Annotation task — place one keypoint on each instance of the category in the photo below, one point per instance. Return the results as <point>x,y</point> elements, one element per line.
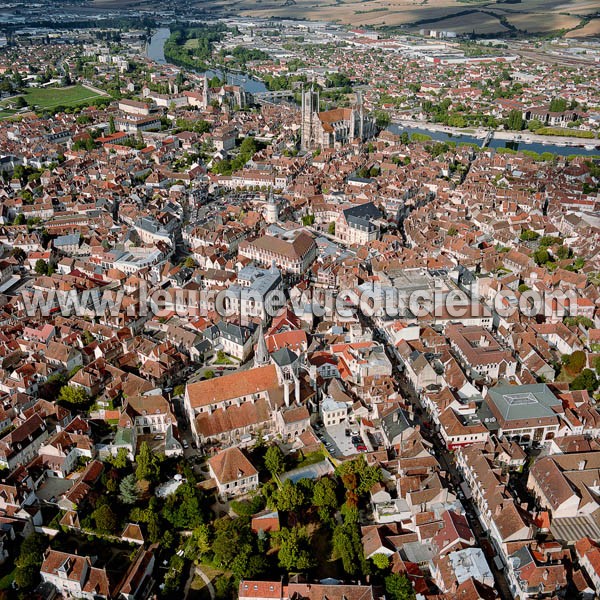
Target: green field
<point>564,132</point>
<point>70,96</point>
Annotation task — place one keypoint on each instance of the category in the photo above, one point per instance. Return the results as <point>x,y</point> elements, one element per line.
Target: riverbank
<point>521,137</point>
<point>513,140</point>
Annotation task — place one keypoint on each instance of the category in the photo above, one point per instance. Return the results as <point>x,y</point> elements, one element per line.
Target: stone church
<point>333,128</point>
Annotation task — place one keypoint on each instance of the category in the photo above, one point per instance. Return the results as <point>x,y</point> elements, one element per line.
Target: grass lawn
<point>68,96</point>
<point>5,113</point>
<point>311,459</point>
<point>565,132</point>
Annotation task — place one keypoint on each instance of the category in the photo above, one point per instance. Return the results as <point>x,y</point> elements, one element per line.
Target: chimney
<point>581,465</point>
<point>498,510</point>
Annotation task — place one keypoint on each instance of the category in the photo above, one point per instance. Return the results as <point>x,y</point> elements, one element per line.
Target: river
<point>155,51</point>
<point>442,136</point>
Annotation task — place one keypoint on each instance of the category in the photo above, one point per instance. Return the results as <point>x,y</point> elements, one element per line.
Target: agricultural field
<point>461,15</point>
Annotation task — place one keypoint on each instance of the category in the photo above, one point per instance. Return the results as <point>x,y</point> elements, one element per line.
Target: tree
<point>452,232</point>
<point>331,228</point>
<point>528,235</point>
<point>294,551</point>
<point>381,561</point>
<point>201,539</point>
<point>541,256</point>
<point>41,267</point>
<point>31,556</point>
<point>128,488</point>
<point>274,460</point>
<point>398,587</point>
<point>534,125</point>
<point>19,220</point>
<point>347,546</point>
<point>575,362</point>
<point>231,537</point>
<point>147,464</point>
<point>289,497</point>
<point>586,380</point>
<point>358,476</point>
<point>189,262</point>
<point>515,120</point>
<point>184,509</point>
<point>382,118</point>
<point>558,105</point>
<point>72,395</point>
<point>120,460</point>
<point>105,519</point>
<point>111,125</point>
<point>324,495</point>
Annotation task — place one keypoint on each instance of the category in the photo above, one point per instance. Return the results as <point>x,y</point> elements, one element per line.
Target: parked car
<point>185,444</point>
<point>361,448</point>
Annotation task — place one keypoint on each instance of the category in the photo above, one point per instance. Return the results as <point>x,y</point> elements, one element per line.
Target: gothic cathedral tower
<point>310,118</point>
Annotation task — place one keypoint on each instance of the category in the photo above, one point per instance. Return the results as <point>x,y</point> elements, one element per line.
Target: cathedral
<point>333,128</point>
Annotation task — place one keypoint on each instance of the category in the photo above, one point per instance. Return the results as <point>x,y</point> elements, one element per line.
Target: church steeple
<point>261,356</point>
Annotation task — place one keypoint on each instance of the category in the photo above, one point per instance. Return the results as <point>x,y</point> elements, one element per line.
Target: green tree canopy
<point>129,491</point>
<point>72,395</point>
<point>184,509</point>
<point>324,495</point>
<point>294,552</point>
<point>289,497</point>
<point>105,519</point>
<point>147,464</point>
<point>398,587</point>
<point>31,556</point>
<point>41,267</point>
<point>381,561</point>
<point>347,546</point>
<point>586,380</point>
<point>274,460</point>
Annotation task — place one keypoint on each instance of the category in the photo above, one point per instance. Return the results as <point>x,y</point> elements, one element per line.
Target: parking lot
<point>341,444</point>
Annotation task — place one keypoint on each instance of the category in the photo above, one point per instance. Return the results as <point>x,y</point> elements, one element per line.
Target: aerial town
<point>295,310</point>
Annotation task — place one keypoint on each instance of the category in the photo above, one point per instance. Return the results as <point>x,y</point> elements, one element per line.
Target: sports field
<point>69,96</point>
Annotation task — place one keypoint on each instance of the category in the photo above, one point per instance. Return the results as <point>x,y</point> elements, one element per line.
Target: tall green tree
<point>147,464</point>
<point>128,488</point>
<point>347,546</point>
<point>31,556</point>
<point>274,460</point>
